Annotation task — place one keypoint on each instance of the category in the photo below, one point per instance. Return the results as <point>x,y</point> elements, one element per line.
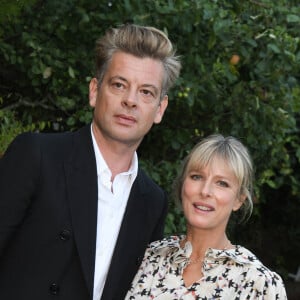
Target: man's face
<point>127,102</point>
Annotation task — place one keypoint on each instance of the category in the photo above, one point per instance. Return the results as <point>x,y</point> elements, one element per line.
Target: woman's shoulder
<point>254,265</point>
<point>160,249</point>
<point>244,264</point>
<point>167,242</point>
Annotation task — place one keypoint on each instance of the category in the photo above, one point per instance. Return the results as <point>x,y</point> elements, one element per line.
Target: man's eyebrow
<point>145,85</point>
<point>118,77</point>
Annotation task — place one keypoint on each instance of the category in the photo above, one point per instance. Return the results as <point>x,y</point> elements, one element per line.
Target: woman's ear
<point>239,202</point>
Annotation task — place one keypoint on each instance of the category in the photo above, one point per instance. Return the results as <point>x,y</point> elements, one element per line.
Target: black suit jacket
<point>48,217</point>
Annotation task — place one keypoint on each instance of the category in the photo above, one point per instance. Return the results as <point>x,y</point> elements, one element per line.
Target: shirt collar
<point>213,257</point>
<point>103,167</point>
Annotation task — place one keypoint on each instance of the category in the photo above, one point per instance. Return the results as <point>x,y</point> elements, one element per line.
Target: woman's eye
<point>223,183</point>
<point>196,176</point>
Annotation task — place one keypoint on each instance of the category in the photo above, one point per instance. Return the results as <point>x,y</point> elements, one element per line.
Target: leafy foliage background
<point>46,58</point>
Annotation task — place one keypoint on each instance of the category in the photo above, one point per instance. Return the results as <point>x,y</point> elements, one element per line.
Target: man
<point>76,212</point>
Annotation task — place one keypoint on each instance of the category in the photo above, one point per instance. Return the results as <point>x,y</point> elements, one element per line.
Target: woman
<point>216,180</point>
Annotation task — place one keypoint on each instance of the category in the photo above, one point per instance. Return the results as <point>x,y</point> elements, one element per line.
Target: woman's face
<point>209,195</point>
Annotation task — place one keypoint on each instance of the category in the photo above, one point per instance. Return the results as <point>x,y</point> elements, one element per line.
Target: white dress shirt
<point>112,200</point>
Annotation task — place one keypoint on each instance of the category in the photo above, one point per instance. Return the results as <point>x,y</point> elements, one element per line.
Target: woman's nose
<point>206,189</point>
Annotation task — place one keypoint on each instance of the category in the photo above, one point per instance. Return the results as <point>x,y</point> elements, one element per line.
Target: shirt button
<point>65,235</point>
<point>54,289</point>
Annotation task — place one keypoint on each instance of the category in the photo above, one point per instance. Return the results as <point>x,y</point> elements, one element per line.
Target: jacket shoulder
<point>146,180</point>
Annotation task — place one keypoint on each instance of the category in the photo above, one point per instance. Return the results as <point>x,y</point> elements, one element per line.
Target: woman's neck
<point>201,242</point>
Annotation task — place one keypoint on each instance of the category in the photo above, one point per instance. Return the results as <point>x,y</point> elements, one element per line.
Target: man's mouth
<point>125,119</point>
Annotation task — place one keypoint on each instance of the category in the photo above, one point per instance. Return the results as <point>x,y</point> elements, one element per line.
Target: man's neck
<point>117,161</point>
<point>118,156</point>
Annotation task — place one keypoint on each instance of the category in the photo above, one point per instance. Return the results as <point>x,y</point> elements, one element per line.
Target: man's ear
<point>93,92</point>
<point>161,109</point>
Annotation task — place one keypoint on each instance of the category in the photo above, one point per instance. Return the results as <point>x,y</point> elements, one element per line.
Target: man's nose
<point>130,99</point>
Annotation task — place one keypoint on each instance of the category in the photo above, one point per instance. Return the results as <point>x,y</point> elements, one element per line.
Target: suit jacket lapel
<point>130,235</point>
<point>81,177</point>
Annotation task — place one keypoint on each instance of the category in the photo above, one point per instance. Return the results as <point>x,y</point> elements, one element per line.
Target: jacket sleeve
<point>19,175</point>
<point>158,232</point>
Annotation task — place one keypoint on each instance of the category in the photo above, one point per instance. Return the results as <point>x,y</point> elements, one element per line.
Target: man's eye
<point>118,85</point>
<point>147,93</point>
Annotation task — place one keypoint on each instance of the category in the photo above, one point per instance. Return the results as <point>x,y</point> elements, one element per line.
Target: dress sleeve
<point>267,285</point>
<point>274,288</point>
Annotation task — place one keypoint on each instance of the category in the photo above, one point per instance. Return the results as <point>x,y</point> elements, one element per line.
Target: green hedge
<point>240,77</point>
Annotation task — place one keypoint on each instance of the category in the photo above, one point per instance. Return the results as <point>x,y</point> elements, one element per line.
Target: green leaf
<point>274,48</point>
<point>71,72</point>
<point>293,18</point>
<point>47,72</point>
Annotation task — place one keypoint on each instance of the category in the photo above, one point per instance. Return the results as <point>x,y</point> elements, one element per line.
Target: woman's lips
<point>203,207</point>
